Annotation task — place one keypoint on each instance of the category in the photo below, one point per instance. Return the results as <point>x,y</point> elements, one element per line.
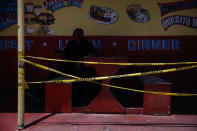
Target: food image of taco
<point>103,15</point>
<point>138,14</point>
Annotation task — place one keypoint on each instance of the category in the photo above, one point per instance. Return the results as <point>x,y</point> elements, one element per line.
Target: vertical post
<point>21,77</point>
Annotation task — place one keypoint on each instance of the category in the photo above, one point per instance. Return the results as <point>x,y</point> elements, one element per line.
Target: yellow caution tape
<point>23,86</point>
<point>119,76</point>
<point>143,91</point>
<point>105,63</point>
<point>47,68</point>
<point>20,86</point>
<point>21,79</point>
<point>26,85</point>
<point>129,89</point>
<point>150,92</point>
<point>21,72</point>
<point>20,54</point>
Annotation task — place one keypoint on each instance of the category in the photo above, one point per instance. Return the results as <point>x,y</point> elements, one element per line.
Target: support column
<point>21,78</point>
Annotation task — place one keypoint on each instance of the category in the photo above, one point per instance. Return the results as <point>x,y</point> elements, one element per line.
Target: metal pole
<point>21,76</point>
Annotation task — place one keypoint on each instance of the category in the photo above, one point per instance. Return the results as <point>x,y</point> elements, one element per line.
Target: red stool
<point>58,97</point>
<point>156,104</point>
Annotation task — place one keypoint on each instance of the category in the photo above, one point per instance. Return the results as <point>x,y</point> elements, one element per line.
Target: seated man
<point>76,50</point>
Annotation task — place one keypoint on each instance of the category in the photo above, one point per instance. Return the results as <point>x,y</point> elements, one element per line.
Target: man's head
<point>78,35</point>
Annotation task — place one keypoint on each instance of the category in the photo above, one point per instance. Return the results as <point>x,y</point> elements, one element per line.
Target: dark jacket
<point>76,51</point>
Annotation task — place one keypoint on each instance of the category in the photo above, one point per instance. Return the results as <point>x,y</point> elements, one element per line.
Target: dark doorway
<point>184,82</point>
<point>84,92</point>
<point>125,97</point>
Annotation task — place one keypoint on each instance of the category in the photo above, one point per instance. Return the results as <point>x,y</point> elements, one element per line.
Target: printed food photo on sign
<point>103,15</point>
<point>45,19</point>
<point>30,17</point>
<point>34,15</point>
<point>138,14</point>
